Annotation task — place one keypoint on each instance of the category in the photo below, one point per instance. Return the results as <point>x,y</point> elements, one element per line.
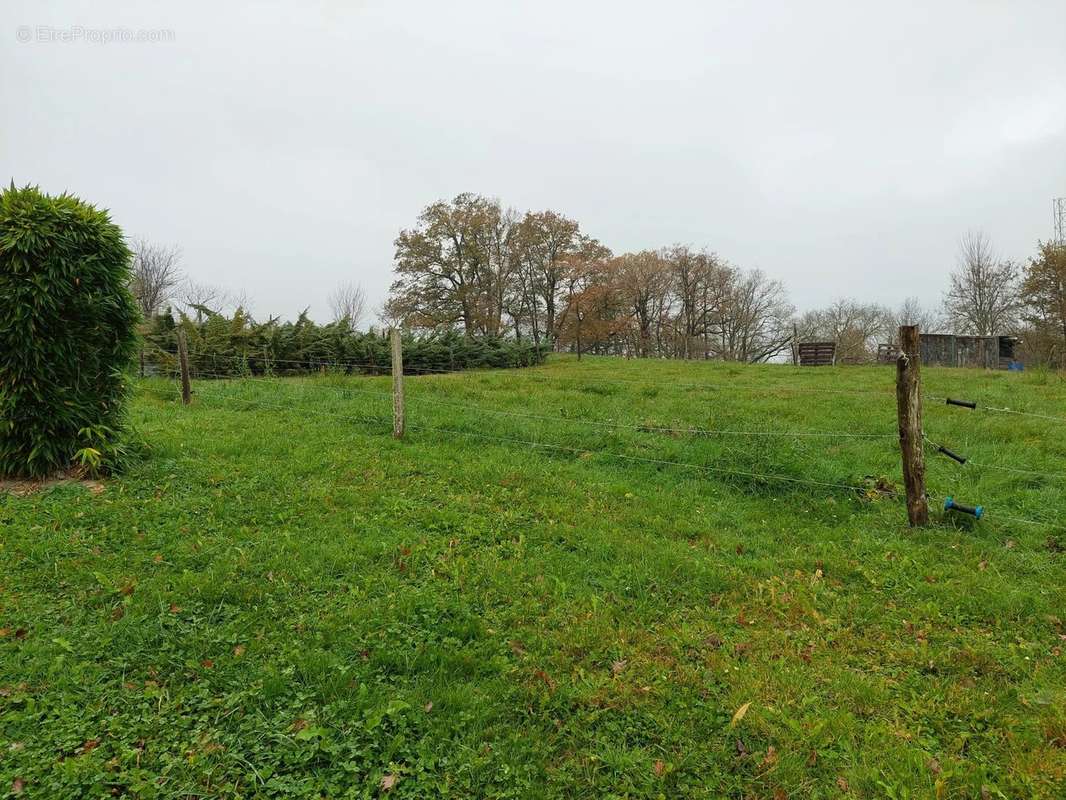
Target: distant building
<point>953,350</point>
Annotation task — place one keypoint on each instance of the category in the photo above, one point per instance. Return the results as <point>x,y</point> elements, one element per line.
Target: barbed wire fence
<point>235,370</point>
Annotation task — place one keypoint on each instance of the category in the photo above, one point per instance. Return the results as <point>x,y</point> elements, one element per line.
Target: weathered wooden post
<point>397,383</point>
<point>909,411</point>
<point>183,362</point>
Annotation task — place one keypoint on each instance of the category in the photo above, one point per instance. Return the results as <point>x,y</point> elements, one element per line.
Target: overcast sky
<point>842,147</point>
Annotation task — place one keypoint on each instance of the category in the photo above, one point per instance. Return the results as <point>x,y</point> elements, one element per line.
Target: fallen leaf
<point>175,608</point>
<point>127,589</point>
<point>17,786</point>
<point>659,767</point>
<point>118,613</point>
<point>983,565</point>
<point>544,676</point>
<point>207,663</point>
<point>618,666</point>
<point>771,756</point>
<point>20,633</point>
<point>934,766</point>
<point>299,725</point>
<point>387,782</point>
<point>843,785</point>
<point>428,707</point>
<point>238,651</point>
<point>739,715</point>
<point>742,751</point>
<point>90,745</point>
<point>5,632</point>
<point>780,794</point>
<point>812,758</point>
<point>986,793</point>
<point>158,558</point>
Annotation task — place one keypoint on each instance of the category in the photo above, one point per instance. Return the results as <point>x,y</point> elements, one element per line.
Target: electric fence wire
<point>614,425</point>
<point>592,423</point>
<point>531,371</point>
<point>590,374</point>
<point>564,448</point>
<point>998,468</point>
<point>868,491</point>
<point>999,410</point>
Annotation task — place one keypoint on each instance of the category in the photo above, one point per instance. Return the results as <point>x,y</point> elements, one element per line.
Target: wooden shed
<point>952,350</point>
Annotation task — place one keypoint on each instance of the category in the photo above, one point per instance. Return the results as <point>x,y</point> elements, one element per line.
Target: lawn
<point>280,600</point>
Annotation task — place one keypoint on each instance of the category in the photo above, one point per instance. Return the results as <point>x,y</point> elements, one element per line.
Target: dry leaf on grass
<point>739,715</point>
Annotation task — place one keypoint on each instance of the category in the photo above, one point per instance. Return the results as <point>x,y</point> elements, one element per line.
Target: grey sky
<point>842,147</point>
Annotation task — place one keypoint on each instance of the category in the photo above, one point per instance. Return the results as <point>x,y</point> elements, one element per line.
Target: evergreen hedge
<point>67,331</point>
<point>221,346</point>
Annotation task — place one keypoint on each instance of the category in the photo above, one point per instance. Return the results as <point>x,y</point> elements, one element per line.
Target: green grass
<point>283,601</point>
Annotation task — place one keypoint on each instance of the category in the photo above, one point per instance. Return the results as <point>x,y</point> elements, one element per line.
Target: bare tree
<point>856,328</point>
<point>201,298</point>
<point>912,312</point>
<point>348,304</point>
<point>156,274</point>
<point>984,296</point>
<point>756,324</point>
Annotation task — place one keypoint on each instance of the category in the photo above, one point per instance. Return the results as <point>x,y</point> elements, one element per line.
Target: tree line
<point>474,265</point>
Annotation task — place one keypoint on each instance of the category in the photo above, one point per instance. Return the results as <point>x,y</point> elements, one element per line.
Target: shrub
<point>221,346</point>
<point>67,331</point>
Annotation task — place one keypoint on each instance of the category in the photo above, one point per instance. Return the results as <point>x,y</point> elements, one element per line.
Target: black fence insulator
<point>963,403</point>
<point>951,454</point>
<point>951,505</point>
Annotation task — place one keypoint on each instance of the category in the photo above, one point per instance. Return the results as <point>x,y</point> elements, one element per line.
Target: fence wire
<point>541,375</point>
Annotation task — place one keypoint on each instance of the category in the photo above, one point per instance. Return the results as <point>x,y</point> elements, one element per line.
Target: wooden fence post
<point>183,362</point>
<point>397,384</point>
<point>909,411</point>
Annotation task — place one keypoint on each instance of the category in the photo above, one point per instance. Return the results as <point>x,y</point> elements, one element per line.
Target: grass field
<point>283,601</point>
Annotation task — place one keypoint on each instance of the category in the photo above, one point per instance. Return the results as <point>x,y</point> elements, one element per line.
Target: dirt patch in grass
<point>20,487</point>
